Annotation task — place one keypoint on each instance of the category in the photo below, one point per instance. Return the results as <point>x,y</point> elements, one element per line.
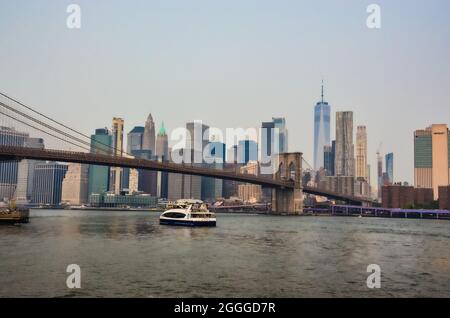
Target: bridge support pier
<point>288,201</point>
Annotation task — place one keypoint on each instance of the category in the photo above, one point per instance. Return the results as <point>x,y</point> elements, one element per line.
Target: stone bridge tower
<point>288,200</point>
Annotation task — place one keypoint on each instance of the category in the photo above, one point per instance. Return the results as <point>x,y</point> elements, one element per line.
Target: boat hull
<point>14,217</point>
<point>187,223</point>
<point>13,221</point>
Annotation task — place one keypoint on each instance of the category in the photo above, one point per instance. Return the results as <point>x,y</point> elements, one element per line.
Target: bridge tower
<point>288,200</point>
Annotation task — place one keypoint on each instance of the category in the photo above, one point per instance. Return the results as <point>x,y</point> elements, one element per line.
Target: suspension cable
<point>114,149</point>
<point>46,132</point>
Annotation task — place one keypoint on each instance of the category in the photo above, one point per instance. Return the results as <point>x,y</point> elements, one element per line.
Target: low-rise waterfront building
<point>401,196</point>
<point>444,197</point>
<point>112,200</point>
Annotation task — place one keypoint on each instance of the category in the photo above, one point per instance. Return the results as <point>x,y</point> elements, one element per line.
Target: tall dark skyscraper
<point>135,139</point>
<point>47,184</point>
<point>274,137</point>
<point>135,145</point>
<point>328,160</point>
<point>267,139</point>
<point>99,176</point>
<point>9,169</point>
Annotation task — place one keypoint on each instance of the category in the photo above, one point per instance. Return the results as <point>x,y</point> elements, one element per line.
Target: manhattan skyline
<point>234,65</point>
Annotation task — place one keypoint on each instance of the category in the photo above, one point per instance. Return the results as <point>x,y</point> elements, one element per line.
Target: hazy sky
<point>234,64</point>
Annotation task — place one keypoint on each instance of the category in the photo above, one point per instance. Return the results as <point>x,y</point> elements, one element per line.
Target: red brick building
<point>444,197</point>
<point>398,196</point>
<point>423,196</point>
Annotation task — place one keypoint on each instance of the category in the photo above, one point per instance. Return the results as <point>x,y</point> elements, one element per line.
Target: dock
<point>349,210</point>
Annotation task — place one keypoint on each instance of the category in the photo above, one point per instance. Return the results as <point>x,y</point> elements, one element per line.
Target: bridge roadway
<point>19,153</point>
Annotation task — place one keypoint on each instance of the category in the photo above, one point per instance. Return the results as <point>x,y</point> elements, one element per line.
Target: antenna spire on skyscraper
<point>322,90</point>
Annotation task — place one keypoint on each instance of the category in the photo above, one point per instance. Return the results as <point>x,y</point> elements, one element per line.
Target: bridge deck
<point>19,153</point>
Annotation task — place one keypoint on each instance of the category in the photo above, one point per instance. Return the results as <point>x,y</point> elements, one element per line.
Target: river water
<point>128,254</point>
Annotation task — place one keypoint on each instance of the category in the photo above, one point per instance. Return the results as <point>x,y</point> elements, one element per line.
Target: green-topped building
<point>101,142</point>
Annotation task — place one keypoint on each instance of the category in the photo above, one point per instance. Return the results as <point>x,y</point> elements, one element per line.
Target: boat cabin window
<point>175,215</point>
<point>201,215</point>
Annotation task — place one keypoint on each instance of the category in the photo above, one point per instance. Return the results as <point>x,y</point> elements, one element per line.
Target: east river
<point>128,254</point>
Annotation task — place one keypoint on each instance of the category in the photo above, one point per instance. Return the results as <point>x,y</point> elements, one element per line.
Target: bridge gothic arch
<point>281,172</point>
<point>292,171</point>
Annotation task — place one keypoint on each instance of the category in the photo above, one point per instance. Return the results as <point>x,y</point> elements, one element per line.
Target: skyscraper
<point>247,151</point>
<point>230,187</point>
<point>194,186</point>
<point>333,157</point>
<point>101,143</point>
<point>432,157</point>
<point>162,143</point>
<point>274,138</point>
<point>135,139</point>
<point>9,169</point>
<point>117,143</point>
<point>344,161</point>
<point>148,140</point>
<point>188,186</point>
<point>321,131</point>
<point>215,158</point>
<point>379,173</point>
<point>135,147</point>
<point>25,177</point>
<point>389,159</point>
<point>162,153</point>
<point>361,153</point>
<point>75,184</point>
<point>134,144</point>
<point>267,140</point>
<point>328,160</point>
<point>47,183</point>
<point>147,179</point>
<point>280,124</point>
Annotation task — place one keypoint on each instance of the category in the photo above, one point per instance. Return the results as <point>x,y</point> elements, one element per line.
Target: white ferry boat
<point>188,213</point>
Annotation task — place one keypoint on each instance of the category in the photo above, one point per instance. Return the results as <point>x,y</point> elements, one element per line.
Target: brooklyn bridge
<point>70,145</point>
